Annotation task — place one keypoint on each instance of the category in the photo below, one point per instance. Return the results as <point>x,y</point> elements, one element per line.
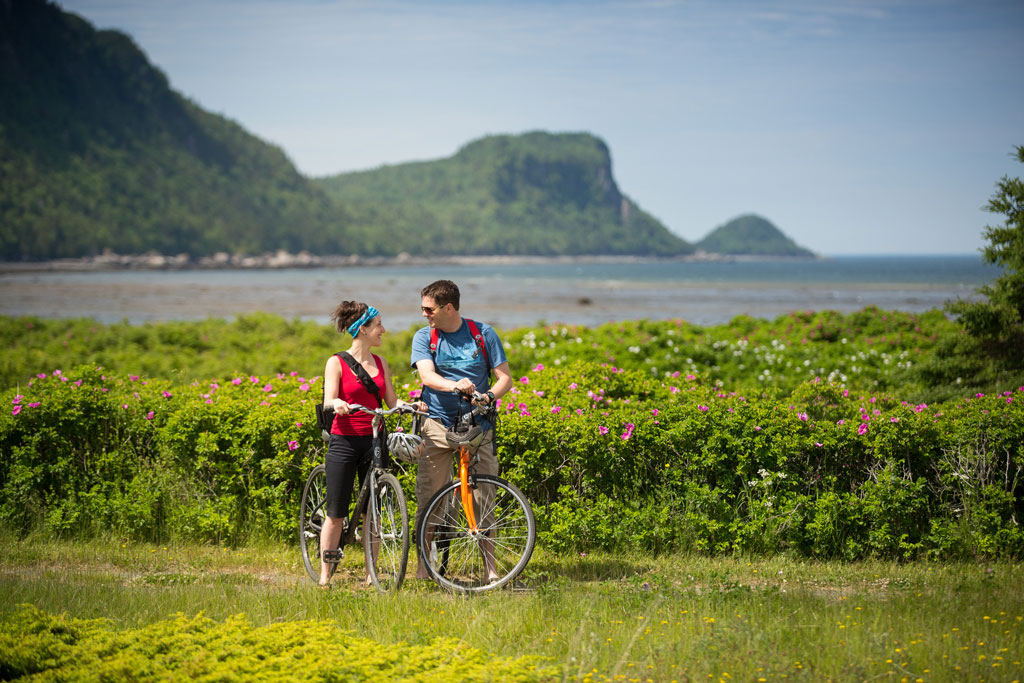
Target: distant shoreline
<point>282,259</point>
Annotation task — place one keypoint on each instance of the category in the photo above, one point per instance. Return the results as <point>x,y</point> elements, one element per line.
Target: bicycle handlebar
<point>404,408</point>
<point>478,409</point>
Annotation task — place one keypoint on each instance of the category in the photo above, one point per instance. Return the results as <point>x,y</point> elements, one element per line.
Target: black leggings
<point>346,455</point>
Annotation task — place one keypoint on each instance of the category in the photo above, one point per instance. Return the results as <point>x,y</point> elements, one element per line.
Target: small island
<point>751,236</point>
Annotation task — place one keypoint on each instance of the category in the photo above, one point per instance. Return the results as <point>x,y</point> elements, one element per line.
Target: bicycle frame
<point>377,467</point>
<point>466,472</point>
<point>464,491</point>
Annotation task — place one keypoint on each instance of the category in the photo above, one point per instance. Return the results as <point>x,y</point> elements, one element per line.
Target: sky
<point>855,126</point>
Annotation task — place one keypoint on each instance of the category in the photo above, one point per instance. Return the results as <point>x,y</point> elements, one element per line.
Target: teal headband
<point>370,314</point>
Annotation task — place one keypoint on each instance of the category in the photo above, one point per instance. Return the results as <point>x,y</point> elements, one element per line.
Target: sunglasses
<point>432,310</point>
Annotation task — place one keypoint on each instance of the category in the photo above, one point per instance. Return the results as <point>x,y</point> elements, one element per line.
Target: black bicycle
<point>380,519</point>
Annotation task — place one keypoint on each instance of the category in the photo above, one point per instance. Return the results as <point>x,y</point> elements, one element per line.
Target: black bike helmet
<point>461,434</point>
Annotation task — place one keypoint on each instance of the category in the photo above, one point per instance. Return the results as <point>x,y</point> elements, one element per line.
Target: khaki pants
<point>435,464</point>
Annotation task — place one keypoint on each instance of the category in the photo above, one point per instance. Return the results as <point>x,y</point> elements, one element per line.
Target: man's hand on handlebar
<point>464,386</point>
<point>485,400</point>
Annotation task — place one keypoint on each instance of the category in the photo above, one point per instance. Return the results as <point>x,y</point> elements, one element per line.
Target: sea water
<point>510,294</point>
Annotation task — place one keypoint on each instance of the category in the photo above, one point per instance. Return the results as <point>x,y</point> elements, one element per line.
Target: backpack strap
<point>477,337</point>
<point>359,371</point>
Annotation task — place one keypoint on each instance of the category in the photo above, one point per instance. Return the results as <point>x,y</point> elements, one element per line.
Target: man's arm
<point>502,380</point>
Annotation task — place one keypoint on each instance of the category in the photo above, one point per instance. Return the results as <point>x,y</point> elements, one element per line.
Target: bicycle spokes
<point>462,558</point>
<point>385,535</point>
<point>311,521</point>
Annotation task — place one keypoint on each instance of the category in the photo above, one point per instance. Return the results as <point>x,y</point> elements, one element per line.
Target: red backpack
<point>477,337</point>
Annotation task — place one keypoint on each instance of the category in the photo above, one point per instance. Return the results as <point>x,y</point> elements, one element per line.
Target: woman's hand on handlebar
<point>341,407</point>
<point>416,406</point>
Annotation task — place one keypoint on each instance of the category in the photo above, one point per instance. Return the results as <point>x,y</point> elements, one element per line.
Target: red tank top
<point>353,391</point>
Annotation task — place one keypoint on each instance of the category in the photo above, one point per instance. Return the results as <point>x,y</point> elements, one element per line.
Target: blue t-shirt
<point>457,356</point>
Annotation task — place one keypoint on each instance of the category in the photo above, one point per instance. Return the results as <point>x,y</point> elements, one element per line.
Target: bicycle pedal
<point>332,556</point>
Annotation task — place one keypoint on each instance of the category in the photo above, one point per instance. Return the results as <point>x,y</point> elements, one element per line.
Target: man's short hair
<point>442,292</point>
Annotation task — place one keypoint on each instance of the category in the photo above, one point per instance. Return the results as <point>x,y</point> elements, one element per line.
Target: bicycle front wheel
<point>311,520</point>
<point>462,560</point>
<point>386,534</point>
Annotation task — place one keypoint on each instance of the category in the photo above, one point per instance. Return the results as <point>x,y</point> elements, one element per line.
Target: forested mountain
<point>751,235</point>
<point>98,153</point>
<point>537,193</point>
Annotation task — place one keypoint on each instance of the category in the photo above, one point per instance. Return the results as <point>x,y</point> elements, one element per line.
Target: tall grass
<point>595,617</point>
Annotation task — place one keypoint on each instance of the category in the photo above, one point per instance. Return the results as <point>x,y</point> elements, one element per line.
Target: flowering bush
<point>720,440</point>
<point>90,452</point>
<point>824,471</point>
<point>870,350</point>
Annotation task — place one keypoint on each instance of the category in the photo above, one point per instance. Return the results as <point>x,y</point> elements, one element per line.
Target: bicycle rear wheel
<point>463,561</point>
<point>311,521</point>
<point>386,534</point>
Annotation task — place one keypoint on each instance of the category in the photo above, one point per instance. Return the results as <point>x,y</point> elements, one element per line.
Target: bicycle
<point>478,532</point>
<point>380,505</point>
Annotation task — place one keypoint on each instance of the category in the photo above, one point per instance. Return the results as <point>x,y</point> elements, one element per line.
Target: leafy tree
<point>989,354</point>
<point>998,323</point>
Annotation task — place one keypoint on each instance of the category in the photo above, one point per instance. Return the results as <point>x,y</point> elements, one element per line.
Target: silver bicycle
<point>380,519</point>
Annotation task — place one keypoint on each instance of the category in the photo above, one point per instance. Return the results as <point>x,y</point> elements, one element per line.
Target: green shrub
<point>47,647</point>
<point>614,455</point>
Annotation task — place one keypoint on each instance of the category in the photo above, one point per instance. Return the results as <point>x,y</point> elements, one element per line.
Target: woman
<point>351,444</point>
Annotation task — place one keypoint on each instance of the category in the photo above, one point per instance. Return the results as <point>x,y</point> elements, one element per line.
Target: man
<point>459,364</point>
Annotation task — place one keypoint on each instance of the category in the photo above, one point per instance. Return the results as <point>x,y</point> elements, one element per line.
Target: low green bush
<point>45,647</point>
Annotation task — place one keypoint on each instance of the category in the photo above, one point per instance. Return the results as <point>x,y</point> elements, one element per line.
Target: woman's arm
<point>332,383</point>
<point>390,397</point>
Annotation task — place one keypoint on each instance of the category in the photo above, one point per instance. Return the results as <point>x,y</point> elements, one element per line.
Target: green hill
<point>98,153</point>
<point>751,235</point>
<point>537,193</point>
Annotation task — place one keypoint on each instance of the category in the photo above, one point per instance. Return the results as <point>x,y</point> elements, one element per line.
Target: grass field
<point>591,617</point>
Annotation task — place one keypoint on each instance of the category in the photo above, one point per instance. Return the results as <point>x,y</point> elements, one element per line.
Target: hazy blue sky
<point>870,126</point>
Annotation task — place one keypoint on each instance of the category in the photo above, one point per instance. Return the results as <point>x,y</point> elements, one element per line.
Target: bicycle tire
<point>311,520</point>
<point>386,523</point>
<point>454,557</point>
